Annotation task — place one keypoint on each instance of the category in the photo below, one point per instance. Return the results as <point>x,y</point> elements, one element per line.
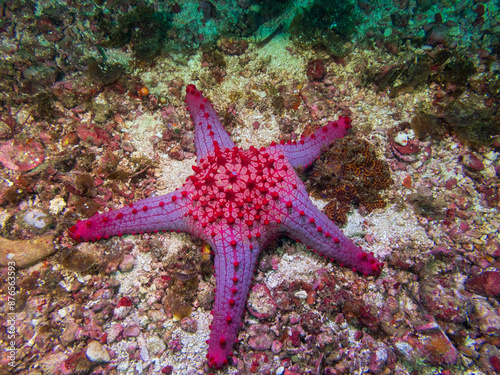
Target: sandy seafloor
<point>438,323</point>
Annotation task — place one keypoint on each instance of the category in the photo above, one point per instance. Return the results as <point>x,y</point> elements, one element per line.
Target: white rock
<point>97,353</point>
<point>401,139</point>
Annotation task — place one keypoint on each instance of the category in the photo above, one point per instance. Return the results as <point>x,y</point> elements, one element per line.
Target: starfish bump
<point>237,201</point>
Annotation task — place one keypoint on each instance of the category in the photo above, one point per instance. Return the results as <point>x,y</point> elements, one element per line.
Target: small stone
<point>175,345</point>
<point>189,325</point>
<point>76,360</point>
<point>120,312</point>
<point>155,345</point>
<point>261,303</point>
<point>92,133</point>
<point>261,337</point>
<point>472,161</point>
<point>488,321</point>
<point>132,331</point>
<point>127,263</point>
<point>435,348</point>
<point>487,284</point>
<point>167,370</point>
<point>70,334</point>
<point>177,153</point>
<point>97,353</point>
<point>401,139</point>
<point>451,184</point>
<point>113,332</point>
<point>276,346</point>
<point>49,364</point>
<point>378,359</point>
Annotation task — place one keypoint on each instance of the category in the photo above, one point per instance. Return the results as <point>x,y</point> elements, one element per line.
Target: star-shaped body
<point>237,201</point>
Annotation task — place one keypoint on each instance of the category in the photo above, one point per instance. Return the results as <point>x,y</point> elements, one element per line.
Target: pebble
<point>113,332</point>
<point>132,331</point>
<point>488,321</point>
<point>35,218</point>
<point>189,325</point>
<point>261,337</point>
<point>121,312</point>
<point>261,303</point>
<point>401,139</point>
<point>97,353</point>
<point>472,162</point>
<point>21,156</point>
<point>127,263</point>
<point>155,345</point>
<point>123,366</point>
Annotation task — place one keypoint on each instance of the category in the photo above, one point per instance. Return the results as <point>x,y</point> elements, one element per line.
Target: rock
<point>433,347</point>
<point>25,253</point>
<point>92,330</point>
<point>442,296</point>
<point>76,364</point>
<point>97,353</point>
<point>488,321</point>
<point>21,156</point>
<point>127,263</point>
<point>120,312</point>
<point>487,284</point>
<point>261,303</point>
<point>379,358</point>
<point>132,331</point>
<point>114,332</point>
<point>472,162</point>
<point>88,132</point>
<point>155,345</point>
<point>70,334</point>
<point>261,339</point>
<point>189,325</point>
<point>51,362</point>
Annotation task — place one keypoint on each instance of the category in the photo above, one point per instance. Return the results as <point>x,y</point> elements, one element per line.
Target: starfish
<point>237,201</point>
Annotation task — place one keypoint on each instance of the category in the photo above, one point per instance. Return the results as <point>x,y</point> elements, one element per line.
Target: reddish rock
<point>77,363</point>
<point>232,46</point>
<point>486,318</point>
<point>434,347</point>
<point>439,295</point>
<point>189,325</point>
<point>92,330</point>
<point>261,338</point>
<point>261,303</point>
<point>487,284</point>
<point>92,133</point>
<point>451,184</point>
<point>114,332</point>
<point>316,70</point>
<point>471,161</point>
<point>132,331</point>
<point>21,156</point>
<point>311,322</point>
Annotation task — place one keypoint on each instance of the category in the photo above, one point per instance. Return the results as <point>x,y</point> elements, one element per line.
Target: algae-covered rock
<point>25,253</point>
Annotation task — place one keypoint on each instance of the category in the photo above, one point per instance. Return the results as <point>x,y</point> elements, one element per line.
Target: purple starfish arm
<point>303,153</point>
<point>155,214</point>
<point>207,124</point>
<point>307,224</point>
<point>235,259</point>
